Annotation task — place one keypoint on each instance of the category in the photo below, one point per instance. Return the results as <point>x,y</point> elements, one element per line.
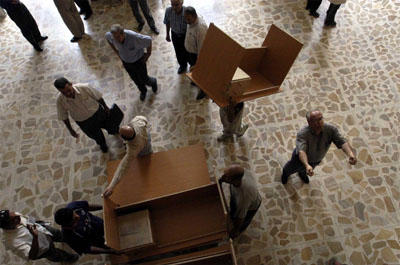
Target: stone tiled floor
<point>351,73</point>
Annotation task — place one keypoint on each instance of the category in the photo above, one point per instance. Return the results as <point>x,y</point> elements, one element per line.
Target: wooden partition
<point>185,208</point>
<point>265,67</point>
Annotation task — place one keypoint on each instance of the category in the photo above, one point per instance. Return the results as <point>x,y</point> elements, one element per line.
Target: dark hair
<point>190,11</point>
<point>4,218</point>
<point>64,216</point>
<point>61,82</point>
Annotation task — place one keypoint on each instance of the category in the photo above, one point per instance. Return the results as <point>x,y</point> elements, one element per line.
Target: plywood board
<point>216,64</point>
<point>160,174</point>
<point>251,60</point>
<point>182,220</point>
<point>111,233</point>
<point>135,230</point>
<point>282,51</point>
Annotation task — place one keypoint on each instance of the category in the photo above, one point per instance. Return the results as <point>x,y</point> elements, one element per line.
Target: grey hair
<point>117,28</point>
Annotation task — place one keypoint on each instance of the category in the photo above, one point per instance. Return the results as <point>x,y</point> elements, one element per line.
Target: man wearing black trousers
<point>313,5</point>
<point>18,12</point>
<point>175,21</point>
<point>85,8</point>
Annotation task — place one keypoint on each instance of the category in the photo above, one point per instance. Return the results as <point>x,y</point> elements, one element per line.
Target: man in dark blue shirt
<point>83,231</point>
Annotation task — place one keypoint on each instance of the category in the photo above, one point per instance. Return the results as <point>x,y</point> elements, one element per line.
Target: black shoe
<point>43,38</point>
<point>155,30</point>
<point>284,178</point>
<point>314,14</point>
<point>143,95</point>
<point>182,69</point>
<point>140,27</point>
<point>304,177</point>
<point>37,47</point>
<point>72,258</point>
<point>201,95</point>
<point>330,24</point>
<point>81,12</point>
<point>193,83</point>
<point>104,148</point>
<point>75,39</point>
<point>307,7</point>
<point>154,87</point>
<point>88,15</point>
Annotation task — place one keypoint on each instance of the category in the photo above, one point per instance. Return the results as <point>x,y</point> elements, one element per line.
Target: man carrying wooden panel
<point>231,119</point>
<point>195,35</point>
<point>138,142</point>
<point>245,199</point>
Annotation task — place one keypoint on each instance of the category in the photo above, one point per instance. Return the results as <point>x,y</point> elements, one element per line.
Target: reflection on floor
<point>351,73</point>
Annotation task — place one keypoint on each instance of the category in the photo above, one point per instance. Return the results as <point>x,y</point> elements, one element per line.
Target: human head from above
<point>66,217</point>
<point>177,5</point>
<point>127,133</point>
<point>65,87</point>
<point>315,120</point>
<point>9,220</point>
<point>233,175</point>
<point>118,33</point>
<point>190,15</point>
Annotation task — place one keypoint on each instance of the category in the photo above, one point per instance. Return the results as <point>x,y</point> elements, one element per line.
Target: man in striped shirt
<point>175,21</point>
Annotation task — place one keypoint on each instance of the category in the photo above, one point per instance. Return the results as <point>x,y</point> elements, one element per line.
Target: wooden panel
<point>135,230</point>
<point>282,51</point>
<point>252,59</point>
<point>205,256</point>
<point>216,64</point>
<point>111,230</point>
<point>182,219</point>
<point>160,174</point>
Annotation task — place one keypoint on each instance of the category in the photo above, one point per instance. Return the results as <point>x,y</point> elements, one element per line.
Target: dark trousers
<point>331,13</point>
<point>138,72</point>
<point>84,6</point>
<point>145,9</point>
<point>55,254</point>
<point>178,40</point>
<point>26,23</point>
<point>313,5</point>
<point>294,165</point>
<point>249,215</point>
<point>92,126</point>
<point>192,58</point>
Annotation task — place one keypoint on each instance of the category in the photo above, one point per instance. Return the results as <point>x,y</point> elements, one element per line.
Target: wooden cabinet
<point>186,211</point>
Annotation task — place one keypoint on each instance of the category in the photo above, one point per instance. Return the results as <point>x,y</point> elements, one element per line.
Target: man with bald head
<point>312,144</point>
<point>245,199</point>
<point>138,142</point>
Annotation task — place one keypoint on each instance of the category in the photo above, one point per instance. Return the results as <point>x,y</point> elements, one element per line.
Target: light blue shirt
<point>177,22</point>
<point>132,49</point>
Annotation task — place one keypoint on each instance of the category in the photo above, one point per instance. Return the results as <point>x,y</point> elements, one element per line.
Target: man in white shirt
<point>195,35</point>
<point>86,106</point>
<point>30,240</point>
<point>138,143</point>
<point>245,199</point>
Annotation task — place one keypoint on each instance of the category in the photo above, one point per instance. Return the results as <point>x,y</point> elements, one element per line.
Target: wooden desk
<point>185,208</point>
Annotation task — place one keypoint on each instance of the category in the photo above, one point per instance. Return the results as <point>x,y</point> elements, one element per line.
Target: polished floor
<point>351,73</point>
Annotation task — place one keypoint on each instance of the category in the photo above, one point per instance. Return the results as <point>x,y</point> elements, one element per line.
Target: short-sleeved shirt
<point>316,146</point>
<point>80,108</point>
<point>246,197</point>
<point>195,35</point>
<point>88,232</point>
<point>132,49</point>
<point>177,22</point>
<point>19,240</point>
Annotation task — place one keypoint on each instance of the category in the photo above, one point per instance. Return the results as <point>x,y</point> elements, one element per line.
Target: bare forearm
<point>303,158</point>
<point>168,27</point>
<point>113,47</point>
<point>68,124</point>
<point>347,149</point>
<point>33,253</point>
